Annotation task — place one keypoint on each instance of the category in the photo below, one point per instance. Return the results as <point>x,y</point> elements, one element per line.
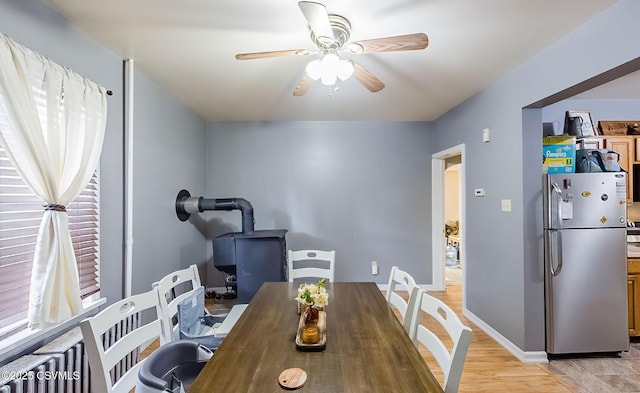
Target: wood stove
<point>253,257</point>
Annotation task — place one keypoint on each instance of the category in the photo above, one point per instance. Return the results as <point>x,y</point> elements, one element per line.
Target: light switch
<point>486,135</point>
<point>479,192</point>
<point>506,205</point>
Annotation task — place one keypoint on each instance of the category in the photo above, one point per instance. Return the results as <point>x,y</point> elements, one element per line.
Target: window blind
<point>20,215</point>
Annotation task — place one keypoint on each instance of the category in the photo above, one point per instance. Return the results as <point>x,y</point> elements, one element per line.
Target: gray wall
<point>169,155</point>
<point>504,275</point>
<point>360,188</point>
<point>493,242</point>
<point>169,152</point>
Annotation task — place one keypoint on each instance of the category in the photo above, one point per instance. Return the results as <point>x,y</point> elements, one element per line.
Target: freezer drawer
<point>586,302</point>
<point>585,200</point>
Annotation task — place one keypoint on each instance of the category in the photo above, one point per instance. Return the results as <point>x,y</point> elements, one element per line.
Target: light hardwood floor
<point>488,366</point>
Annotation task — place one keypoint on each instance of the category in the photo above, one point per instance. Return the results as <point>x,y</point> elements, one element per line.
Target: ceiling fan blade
<point>390,44</point>
<point>303,86</point>
<point>277,53</point>
<point>367,79</point>
<point>318,19</point>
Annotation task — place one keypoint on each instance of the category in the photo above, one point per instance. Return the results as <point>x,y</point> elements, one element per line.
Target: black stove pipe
<point>185,205</point>
<point>229,204</point>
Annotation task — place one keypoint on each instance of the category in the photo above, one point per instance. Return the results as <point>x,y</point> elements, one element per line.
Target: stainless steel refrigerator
<point>585,263</point>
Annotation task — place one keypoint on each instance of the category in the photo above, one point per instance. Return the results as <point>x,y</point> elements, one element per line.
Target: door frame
<point>437,217</point>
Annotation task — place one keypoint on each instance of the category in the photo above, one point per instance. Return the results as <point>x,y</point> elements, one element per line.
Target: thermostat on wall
<point>479,192</point>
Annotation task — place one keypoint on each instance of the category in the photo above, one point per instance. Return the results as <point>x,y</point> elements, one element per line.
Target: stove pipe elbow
<point>185,205</point>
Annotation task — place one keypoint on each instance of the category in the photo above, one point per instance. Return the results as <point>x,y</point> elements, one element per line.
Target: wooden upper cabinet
<point>625,146</point>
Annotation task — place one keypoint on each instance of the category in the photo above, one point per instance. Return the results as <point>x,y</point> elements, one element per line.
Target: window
<point>20,215</point>
<point>52,123</point>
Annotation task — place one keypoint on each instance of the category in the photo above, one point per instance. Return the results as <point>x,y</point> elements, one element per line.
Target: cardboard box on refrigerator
<point>559,154</point>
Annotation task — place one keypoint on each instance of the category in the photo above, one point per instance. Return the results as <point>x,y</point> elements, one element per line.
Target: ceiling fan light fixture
<point>329,69</point>
<point>345,69</point>
<point>331,33</point>
<point>314,69</point>
<point>330,66</point>
<point>329,79</point>
<point>330,63</point>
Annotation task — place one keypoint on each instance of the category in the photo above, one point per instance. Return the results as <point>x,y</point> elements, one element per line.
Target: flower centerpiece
<point>311,298</point>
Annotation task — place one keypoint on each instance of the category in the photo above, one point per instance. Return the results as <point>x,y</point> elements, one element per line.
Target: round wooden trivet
<point>292,378</point>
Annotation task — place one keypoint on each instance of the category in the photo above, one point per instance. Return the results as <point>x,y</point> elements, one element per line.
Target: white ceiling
<point>188,46</point>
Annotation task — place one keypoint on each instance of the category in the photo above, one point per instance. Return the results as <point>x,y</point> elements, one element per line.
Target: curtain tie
<point>54,207</point>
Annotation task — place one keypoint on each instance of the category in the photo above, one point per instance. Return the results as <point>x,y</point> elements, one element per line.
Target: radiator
<point>62,366</point>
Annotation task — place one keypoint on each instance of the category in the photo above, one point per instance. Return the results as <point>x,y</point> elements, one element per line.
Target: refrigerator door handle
<point>557,251</point>
<point>557,232</point>
<point>558,192</point>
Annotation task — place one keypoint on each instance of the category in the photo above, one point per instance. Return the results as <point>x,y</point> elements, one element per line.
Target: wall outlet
<point>374,268</point>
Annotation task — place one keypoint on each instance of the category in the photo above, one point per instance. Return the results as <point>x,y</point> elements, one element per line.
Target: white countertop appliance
<point>585,263</point>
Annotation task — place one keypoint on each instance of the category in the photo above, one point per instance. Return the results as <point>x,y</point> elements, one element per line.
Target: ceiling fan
<point>331,34</point>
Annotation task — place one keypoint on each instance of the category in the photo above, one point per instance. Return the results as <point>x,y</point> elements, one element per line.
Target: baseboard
<point>523,356</point>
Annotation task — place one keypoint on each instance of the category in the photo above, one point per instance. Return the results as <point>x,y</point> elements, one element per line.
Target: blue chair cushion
<point>195,323</point>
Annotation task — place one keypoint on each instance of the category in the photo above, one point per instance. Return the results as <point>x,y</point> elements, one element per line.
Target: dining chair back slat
<point>450,361</point>
<point>169,298</point>
<point>296,258</point>
<point>103,357</point>
<point>401,281</point>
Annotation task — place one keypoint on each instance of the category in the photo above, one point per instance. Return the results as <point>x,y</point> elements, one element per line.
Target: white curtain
<point>56,127</point>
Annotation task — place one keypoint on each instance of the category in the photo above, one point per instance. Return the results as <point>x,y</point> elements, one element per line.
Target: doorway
<point>452,261</point>
<point>448,217</point>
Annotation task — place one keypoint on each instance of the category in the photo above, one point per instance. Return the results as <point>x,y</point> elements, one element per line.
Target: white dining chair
<point>450,361</point>
<point>106,357</point>
<point>173,289</point>
<point>311,264</point>
<point>401,281</point>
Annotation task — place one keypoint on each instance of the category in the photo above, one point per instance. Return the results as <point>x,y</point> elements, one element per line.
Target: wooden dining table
<point>367,350</point>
